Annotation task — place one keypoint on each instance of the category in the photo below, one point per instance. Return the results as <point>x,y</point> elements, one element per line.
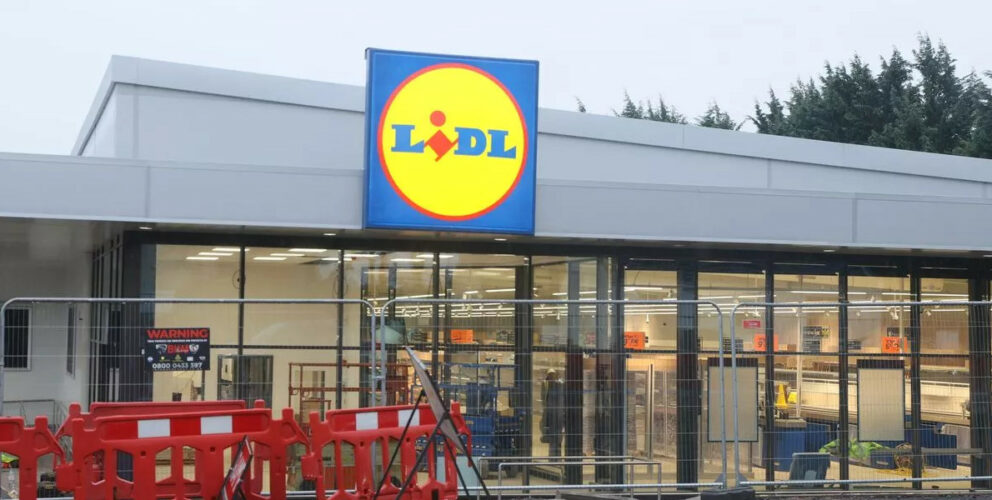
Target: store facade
<point>207,183</point>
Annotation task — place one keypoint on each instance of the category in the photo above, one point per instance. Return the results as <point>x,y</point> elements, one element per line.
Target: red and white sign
<point>752,324</point>
<point>235,476</point>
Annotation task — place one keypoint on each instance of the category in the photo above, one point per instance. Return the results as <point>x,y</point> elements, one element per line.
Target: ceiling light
<point>216,254</point>
<point>198,257</point>
<point>500,290</point>
<point>405,259</point>
<point>284,254</point>
<point>470,292</point>
<point>226,249</point>
<point>308,250</point>
<point>274,258</point>
<point>330,234</point>
<point>335,259</point>
<point>365,255</point>
<point>499,239</point>
<point>829,250</point>
<point>145,228</point>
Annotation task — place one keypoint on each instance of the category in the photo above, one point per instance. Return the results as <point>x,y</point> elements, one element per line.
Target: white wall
<point>47,379</point>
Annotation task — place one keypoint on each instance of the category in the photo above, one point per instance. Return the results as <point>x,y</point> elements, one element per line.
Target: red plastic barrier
<point>209,433</point>
<point>29,444</point>
<point>94,467</point>
<point>360,428</point>
<point>105,409</point>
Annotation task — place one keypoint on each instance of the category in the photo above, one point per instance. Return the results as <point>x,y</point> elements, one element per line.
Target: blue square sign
<point>450,143</point>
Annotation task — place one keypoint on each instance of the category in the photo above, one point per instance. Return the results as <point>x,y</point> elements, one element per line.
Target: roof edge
<point>281,89</point>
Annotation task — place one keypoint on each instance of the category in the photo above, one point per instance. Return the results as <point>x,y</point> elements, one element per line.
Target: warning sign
<point>177,349</point>
<point>635,341</point>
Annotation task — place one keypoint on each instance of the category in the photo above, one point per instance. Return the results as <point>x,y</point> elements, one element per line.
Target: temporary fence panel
<point>568,378</point>
<point>66,350</point>
<point>211,435</point>
<point>350,450</point>
<point>866,393</point>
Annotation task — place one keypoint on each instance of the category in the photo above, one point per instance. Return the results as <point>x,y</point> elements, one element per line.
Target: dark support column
<point>573,379</point>
<point>609,405</point>
<point>445,332</point>
<point>138,280</point>
<point>339,370</point>
<point>915,391</point>
<point>523,392</point>
<point>435,310</point>
<point>843,376</point>
<point>687,386</point>
<point>980,345</point>
<point>390,350</point>
<point>241,306</point>
<point>768,434</point>
<point>365,343</point>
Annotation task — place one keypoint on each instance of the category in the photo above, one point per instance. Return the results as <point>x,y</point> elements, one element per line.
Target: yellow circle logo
<point>452,141</point>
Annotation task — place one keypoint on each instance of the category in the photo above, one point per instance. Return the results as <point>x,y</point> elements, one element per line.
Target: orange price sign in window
<point>761,342</point>
<point>893,344</point>
<point>462,336</point>
<point>635,341</point>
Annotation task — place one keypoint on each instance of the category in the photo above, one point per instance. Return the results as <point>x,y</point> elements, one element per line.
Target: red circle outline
<point>382,159</point>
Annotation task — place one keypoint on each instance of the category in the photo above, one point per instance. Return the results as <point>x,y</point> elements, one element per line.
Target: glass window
<point>196,271</point>
<point>478,278</point>
<point>381,277</point>
<point>16,340</point>
<point>656,321</point>
<point>305,334</point>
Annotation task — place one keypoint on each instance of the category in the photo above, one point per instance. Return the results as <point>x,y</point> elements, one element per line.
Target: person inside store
<point>553,419</point>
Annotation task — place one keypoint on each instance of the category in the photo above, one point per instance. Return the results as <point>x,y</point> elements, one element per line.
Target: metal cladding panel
<point>923,223</point>
<point>807,176</point>
<point>575,159</point>
<point>66,187</point>
<point>186,126</point>
<point>256,196</point>
<point>680,213</point>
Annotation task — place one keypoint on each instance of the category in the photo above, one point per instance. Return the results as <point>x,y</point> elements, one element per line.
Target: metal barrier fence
<point>862,392</point>
<point>307,354</point>
<point>553,377</point>
<point>840,394</point>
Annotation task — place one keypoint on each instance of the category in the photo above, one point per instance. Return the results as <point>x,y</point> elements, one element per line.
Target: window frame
<point>28,348</point>
<point>71,343</point>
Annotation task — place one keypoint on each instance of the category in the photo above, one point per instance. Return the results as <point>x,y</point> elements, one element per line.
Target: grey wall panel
<point>256,197</point>
<point>175,125</point>
<point>924,223</point>
<point>73,189</point>
<point>104,138</point>
<point>692,214</point>
<point>810,177</point>
<point>573,159</point>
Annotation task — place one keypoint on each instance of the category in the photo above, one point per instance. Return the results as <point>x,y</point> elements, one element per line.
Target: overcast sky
<point>53,53</point>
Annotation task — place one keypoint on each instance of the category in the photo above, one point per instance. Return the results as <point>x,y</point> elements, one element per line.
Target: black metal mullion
<point>768,436</point>
<point>339,370</point>
<point>915,386</point>
<point>843,377</point>
<point>980,345</point>
<point>687,384</point>
<point>573,377</point>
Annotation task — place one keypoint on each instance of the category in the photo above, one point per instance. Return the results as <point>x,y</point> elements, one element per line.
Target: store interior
<point>314,357</point>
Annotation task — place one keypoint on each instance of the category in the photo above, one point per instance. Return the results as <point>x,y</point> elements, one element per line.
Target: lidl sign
<point>450,143</point>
